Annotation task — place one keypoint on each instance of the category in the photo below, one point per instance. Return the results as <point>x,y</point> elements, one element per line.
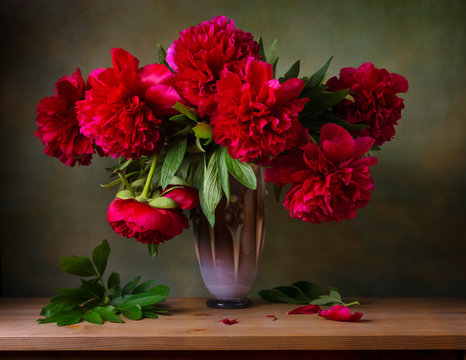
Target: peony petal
<point>274,318</point>
<point>257,73</point>
<point>340,313</point>
<point>186,197</point>
<point>335,133</point>
<point>229,322</point>
<point>156,74</point>
<point>362,145</point>
<point>161,99</point>
<point>306,309</point>
<point>123,60</point>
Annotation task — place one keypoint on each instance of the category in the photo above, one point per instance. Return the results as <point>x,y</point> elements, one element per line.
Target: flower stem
<point>145,191</point>
<point>352,303</point>
<point>124,180</point>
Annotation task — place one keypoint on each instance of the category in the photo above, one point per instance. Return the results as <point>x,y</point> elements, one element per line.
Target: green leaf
<point>223,172</point>
<point>294,293</point>
<point>95,288</point>
<point>325,300</point>
<point>212,189</point>
<point>113,280</point>
<point>108,313</point>
<point>162,55</point>
<point>203,130</point>
<point>55,307</point>
<point>180,119</point>
<point>312,291</point>
<point>335,294</point>
<point>272,54</point>
<point>241,171</point>
<point>190,113</point>
<point>100,256</point>
<point>261,49</point>
<point>173,160</point>
<point>162,202</point>
<point>132,312</point>
<point>78,265</point>
<point>275,295</point>
<point>153,250</point>
<point>145,286</point>
<point>150,297</point>
<point>293,72</point>
<point>129,287</point>
<point>93,317</point>
<point>198,182</point>
<point>68,318</point>
<point>150,314</point>
<point>317,78</point>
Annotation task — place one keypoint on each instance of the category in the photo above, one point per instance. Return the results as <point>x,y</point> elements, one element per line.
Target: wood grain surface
<point>387,324</point>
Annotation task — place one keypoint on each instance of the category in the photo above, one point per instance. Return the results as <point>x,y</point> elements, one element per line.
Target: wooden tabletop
<point>402,324</point>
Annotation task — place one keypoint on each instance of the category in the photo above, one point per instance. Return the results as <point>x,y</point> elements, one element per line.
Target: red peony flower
<point>185,197</point>
<point>122,111</point>
<point>146,224</point>
<point>329,182</point>
<point>258,117</point>
<point>57,126</point>
<point>340,313</point>
<point>375,101</point>
<point>203,52</point>
<point>306,309</point>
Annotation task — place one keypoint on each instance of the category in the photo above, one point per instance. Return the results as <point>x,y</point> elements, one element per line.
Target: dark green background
<point>409,241</point>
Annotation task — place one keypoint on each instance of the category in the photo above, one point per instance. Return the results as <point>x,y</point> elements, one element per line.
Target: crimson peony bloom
<point>123,110</point>
<point>203,52</point>
<point>258,117</point>
<point>134,219</point>
<point>328,182</point>
<point>375,101</point>
<point>306,309</point>
<point>57,125</point>
<point>340,313</point>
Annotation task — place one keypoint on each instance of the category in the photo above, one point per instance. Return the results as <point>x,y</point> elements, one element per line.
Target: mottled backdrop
<point>409,241</point>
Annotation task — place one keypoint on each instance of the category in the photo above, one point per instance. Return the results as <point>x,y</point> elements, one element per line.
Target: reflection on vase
<point>229,253</point>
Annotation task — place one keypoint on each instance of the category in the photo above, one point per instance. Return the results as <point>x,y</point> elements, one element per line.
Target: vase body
<point>229,253</point>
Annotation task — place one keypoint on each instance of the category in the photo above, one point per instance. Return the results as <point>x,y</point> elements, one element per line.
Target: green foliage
<point>173,160</point>
<point>304,292</point>
<point>293,72</point>
<point>241,171</point>
<point>94,302</point>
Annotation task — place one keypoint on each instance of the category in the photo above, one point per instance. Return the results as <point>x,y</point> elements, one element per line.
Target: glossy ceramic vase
<point>229,253</point>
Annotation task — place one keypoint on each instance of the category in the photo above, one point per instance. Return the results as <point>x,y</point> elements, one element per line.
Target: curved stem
<point>124,180</point>
<point>145,191</point>
<point>352,303</point>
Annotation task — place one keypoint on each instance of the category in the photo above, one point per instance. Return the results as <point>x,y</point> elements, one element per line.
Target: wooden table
<point>389,329</point>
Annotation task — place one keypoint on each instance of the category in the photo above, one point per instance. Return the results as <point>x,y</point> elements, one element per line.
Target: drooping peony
<point>203,53</point>
<point>375,101</point>
<point>328,182</point>
<point>57,125</point>
<point>146,224</point>
<point>123,110</point>
<point>258,117</point>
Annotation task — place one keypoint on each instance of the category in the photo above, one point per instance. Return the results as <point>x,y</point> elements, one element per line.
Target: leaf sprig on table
<point>304,292</point>
<point>96,302</point>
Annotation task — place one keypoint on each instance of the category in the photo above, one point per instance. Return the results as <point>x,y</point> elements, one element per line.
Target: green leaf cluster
<point>95,301</point>
<point>212,179</point>
<point>304,292</point>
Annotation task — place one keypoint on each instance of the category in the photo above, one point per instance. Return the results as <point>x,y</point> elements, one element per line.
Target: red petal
<point>306,309</point>
<point>123,60</point>
<point>229,322</point>
<point>340,313</point>
<point>272,316</point>
<point>257,73</point>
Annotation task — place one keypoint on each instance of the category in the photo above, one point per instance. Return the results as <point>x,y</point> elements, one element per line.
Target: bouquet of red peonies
<point>210,108</point>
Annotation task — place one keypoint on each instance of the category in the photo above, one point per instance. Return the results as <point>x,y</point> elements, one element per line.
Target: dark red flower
<point>328,182</point>
<point>229,322</point>
<point>185,197</point>
<point>306,309</point>
<point>134,219</point>
<point>375,101</point>
<point>340,313</point>
<point>258,117</point>
<point>57,126</point>
<point>123,110</point>
<point>203,52</point>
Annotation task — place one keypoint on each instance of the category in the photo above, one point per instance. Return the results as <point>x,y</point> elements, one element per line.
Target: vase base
<point>228,304</point>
